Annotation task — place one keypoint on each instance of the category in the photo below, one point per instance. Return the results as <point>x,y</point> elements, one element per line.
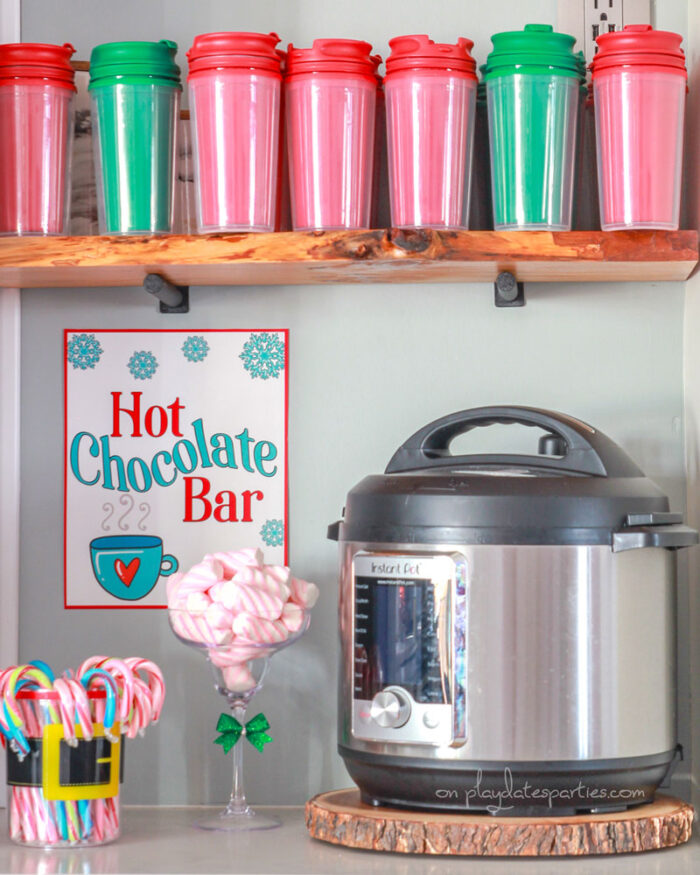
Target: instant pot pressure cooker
<point>508,624</point>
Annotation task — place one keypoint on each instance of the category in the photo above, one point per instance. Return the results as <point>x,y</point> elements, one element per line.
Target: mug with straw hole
<point>235,87</point>
<point>330,100</point>
<point>135,95</point>
<point>37,89</point>
<point>639,89</point>
<point>430,102</point>
<point>532,89</point>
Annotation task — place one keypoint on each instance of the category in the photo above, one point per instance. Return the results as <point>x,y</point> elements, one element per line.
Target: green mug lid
<point>536,46</point>
<point>127,61</point>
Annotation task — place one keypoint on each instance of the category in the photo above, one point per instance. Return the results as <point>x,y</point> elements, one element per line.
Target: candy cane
<point>82,708</point>
<point>119,669</point>
<point>90,662</point>
<point>103,677</point>
<point>156,682</point>
<point>67,709</point>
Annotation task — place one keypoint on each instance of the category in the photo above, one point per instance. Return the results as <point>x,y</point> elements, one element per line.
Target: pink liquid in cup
<point>431,98</point>
<point>36,120</point>
<point>330,96</point>
<point>639,83</point>
<point>235,87</point>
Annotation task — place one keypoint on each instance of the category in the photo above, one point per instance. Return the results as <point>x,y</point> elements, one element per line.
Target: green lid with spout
<point>535,49</point>
<point>148,63</point>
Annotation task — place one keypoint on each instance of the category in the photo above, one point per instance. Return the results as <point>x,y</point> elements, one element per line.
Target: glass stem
<point>237,803</point>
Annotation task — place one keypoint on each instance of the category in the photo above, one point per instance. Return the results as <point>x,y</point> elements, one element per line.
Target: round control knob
<point>390,709</point>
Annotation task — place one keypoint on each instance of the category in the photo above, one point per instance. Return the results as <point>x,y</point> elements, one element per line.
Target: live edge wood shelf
<point>382,256</point>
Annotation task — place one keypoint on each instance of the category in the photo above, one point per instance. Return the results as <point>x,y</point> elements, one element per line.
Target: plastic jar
<point>36,126</point>
<point>135,93</point>
<point>330,98</point>
<point>430,101</point>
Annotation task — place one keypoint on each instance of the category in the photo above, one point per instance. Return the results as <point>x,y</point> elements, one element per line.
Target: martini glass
<point>239,670</point>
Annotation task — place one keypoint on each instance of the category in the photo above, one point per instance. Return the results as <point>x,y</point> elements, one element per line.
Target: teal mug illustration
<point>128,566</point>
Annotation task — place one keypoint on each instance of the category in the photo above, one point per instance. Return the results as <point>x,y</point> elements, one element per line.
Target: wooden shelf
<point>389,256</point>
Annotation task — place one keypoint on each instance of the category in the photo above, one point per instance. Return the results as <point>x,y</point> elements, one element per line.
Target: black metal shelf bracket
<point>172,298</point>
<point>507,291</point>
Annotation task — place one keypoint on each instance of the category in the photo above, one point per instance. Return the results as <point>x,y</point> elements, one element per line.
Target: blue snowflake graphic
<point>263,355</point>
<point>84,351</point>
<point>142,365</point>
<point>195,348</point>
<point>272,533</point>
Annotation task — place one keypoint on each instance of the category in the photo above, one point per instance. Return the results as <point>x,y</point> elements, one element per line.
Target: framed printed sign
<point>175,446</point>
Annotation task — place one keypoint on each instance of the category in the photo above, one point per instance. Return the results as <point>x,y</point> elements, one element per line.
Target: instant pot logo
<point>496,797</point>
<point>402,568</point>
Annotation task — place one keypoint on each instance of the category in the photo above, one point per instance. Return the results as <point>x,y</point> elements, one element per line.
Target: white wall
<point>369,365</point>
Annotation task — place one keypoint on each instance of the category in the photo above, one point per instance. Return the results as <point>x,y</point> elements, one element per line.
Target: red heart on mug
<point>126,573</point>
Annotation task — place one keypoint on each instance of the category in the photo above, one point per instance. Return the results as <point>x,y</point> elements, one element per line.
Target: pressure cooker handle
<point>587,451</point>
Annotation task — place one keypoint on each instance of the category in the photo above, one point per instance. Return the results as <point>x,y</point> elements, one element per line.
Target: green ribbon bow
<point>231,730</point>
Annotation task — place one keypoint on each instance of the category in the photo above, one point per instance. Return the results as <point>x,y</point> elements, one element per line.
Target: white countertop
<point>164,840</point>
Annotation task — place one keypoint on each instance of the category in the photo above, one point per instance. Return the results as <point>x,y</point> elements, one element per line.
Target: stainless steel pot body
<point>567,653</point>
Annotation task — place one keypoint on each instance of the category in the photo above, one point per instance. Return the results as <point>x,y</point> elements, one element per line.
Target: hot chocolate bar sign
<point>175,446</point>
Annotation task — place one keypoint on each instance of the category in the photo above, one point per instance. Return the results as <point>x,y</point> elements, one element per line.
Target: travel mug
<point>135,95</point>
<point>430,100</point>
<point>330,98</point>
<point>235,88</point>
<point>36,125</point>
<point>532,89</point>
<point>639,90</point>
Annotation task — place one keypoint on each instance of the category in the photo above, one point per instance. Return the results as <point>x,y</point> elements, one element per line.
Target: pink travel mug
<point>235,86</point>
<point>639,85</point>
<point>430,101</point>
<point>36,127</point>
<point>330,97</point>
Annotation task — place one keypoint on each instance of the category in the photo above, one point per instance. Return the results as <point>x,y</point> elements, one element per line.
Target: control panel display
<point>409,626</point>
<point>396,639</point>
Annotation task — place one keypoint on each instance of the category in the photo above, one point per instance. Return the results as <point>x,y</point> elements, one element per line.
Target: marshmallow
<point>303,592</point>
<point>292,617</point>
<point>238,678</point>
<point>197,602</point>
<point>263,580</point>
<point>233,561</point>
<point>258,630</point>
<point>223,592</point>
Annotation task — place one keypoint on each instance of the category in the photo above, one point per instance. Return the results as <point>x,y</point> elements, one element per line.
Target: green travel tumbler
<point>135,95</point>
<point>532,87</point>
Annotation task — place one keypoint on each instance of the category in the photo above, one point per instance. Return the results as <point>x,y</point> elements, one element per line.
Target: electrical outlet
<point>587,19</point>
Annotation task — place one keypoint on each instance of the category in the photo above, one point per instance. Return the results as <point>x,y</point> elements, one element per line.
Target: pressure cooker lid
<point>581,488</point>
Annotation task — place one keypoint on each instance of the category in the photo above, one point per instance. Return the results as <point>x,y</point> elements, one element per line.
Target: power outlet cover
<point>586,19</point>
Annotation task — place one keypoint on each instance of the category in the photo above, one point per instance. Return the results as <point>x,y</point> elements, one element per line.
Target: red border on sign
<point>66,332</point>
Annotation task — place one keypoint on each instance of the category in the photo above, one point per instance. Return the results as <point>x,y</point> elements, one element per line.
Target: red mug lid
<point>376,62</point>
<point>38,61</point>
<point>333,56</point>
<point>234,49</point>
<point>639,45</point>
<point>419,51</point>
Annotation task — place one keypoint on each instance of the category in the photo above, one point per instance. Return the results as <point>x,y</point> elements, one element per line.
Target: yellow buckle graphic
<point>52,738</point>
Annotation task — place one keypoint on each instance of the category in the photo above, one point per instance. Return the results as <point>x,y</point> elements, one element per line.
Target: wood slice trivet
<point>340,817</point>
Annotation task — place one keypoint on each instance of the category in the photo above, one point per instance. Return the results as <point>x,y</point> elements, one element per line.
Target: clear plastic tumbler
<point>235,89</point>
<point>330,98</point>
<point>639,85</point>
<point>430,101</point>
<point>135,93</point>
<point>36,126</point>
<point>532,88</point>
